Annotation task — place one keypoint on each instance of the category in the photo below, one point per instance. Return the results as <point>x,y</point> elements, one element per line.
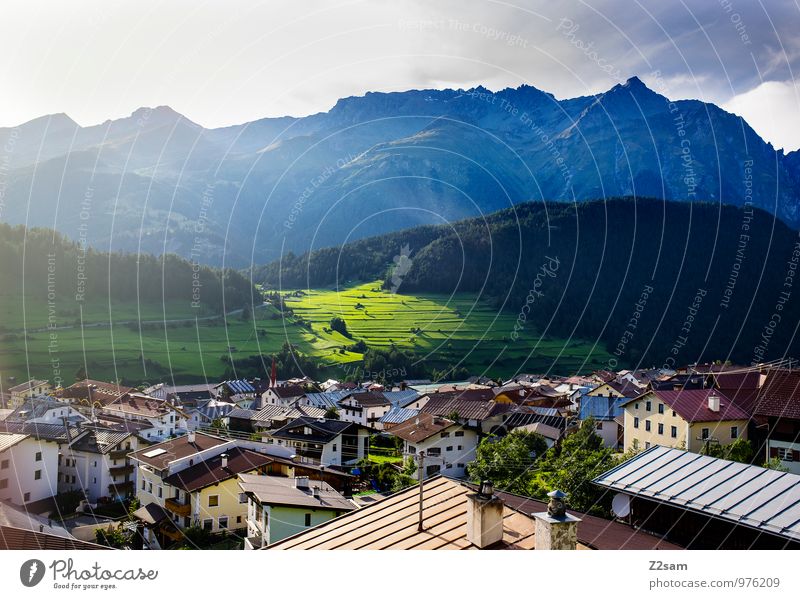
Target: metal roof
<point>240,386</point>
<point>329,399</point>
<point>766,500</point>
<point>398,415</point>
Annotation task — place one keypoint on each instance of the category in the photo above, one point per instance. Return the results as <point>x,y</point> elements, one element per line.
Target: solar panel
<point>154,452</point>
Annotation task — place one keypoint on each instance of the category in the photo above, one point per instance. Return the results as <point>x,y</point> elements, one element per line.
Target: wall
<point>287,521</point>
<point>22,467</point>
<point>453,457</point>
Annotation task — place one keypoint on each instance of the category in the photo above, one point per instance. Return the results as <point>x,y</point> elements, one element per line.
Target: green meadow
<point>152,343</point>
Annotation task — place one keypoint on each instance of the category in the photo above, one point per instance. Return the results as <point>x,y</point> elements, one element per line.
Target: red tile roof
<point>780,395</point>
<point>210,471</point>
<point>419,427</point>
<point>692,405</point>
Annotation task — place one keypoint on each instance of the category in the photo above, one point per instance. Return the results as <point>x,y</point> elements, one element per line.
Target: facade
<point>33,388</point>
<point>281,396</point>
<point>157,419</point>
<point>45,410</point>
<point>28,468</point>
<point>278,508</point>
<point>365,409</point>
<point>775,427</point>
<point>97,463</point>
<point>321,441</point>
<point>685,419</point>
<point>448,445</point>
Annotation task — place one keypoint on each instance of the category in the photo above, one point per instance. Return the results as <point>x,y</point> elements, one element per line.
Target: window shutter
<point>773,452</point>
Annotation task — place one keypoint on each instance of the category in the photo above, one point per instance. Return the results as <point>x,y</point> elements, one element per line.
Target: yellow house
<point>33,388</point>
<point>685,418</point>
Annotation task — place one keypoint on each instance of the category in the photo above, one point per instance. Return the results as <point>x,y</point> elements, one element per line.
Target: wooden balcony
<point>120,470</point>
<point>177,507</point>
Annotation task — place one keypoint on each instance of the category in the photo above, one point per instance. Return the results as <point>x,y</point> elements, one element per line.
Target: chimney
<point>555,528</point>
<point>713,402</point>
<point>224,458</point>
<point>190,437</point>
<point>301,482</point>
<point>315,492</point>
<point>484,517</point>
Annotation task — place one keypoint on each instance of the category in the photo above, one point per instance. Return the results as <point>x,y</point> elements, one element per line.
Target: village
<point>705,456</point>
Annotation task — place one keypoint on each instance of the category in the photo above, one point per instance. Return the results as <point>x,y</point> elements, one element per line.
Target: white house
<point>157,418</point>
<point>448,446</point>
<point>281,507</point>
<point>323,441</point>
<point>28,468</point>
<point>45,410</point>
<point>365,409</point>
<point>97,463</point>
<point>282,396</point>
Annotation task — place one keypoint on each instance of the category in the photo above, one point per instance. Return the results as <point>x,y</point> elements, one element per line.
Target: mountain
<point>156,181</point>
<point>653,282</point>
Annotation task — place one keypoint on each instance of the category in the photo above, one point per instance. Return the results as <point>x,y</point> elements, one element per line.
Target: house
<point>686,418</point>
<point>91,393</point>
<point>397,415</point>
<point>550,424</point>
<point>235,391</point>
<point>28,468</point>
<point>97,464</point>
<point>186,396</point>
<point>204,414</point>
<point>603,406</point>
<point>158,418</point>
<point>192,481</point>
<point>448,446</point>
<point>452,516</point>
<point>701,502</point>
<point>278,508</point>
<point>19,393</point>
<point>45,410</point>
<point>281,396</point>
<point>323,441</point>
<point>21,530</point>
<point>775,427</point>
<point>365,409</point>
<point>469,408</point>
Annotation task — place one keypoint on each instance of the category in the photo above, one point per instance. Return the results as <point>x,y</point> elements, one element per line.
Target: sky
<point>224,62</point>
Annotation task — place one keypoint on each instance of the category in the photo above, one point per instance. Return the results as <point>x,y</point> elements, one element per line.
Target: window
<point>150,487</point>
<point>648,406</point>
<point>448,465</point>
<point>143,484</point>
<point>636,406</point>
<point>647,425</point>
<point>242,497</point>
<point>4,465</point>
<point>599,426</point>
<point>635,423</point>
<point>223,522</point>
<point>334,447</point>
<point>208,524</point>
<point>704,434</point>
<point>459,433</point>
<point>647,445</point>
<point>445,435</point>
<point>308,520</point>
<point>449,448</point>
<point>3,483</point>
<point>460,447</point>
<point>238,519</point>
<point>26,497</point>
<point>95,463</point>
<point>661,408</point>
<point>784,453</point>
<point>94,480</point>
<point>734,432</point>
<point>37,475</point>
<point>412,449</point>
<point>160,491</point>
<point>38,457</point>
<point>461,465</point>
<point>673,432</point>
<point>435,451</point>
<point>213,500</point>
<point>660,428</point>
<point>673,413</point>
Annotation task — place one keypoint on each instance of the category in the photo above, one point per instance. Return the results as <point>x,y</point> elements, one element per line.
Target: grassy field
<point>438,329</point>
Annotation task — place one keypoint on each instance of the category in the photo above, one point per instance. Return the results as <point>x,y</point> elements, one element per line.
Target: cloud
<point>773,110</point>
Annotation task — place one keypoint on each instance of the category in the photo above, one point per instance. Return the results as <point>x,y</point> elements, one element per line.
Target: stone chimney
<point>555,528</point>
<point>484,517</point>
<point>713,402</point>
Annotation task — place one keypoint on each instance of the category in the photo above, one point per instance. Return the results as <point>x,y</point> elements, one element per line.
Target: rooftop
<point>322,430</point>
<point>101,392</point>
<point>391,523</point>
<point>276,490</point>
<point>175,449</point>
<point>26,386</point>
<point>211,471</point>
<point>780,395</point>
<point>766,500</point>
<point>692,405</point>
<point>419,427</point>
<point>8,440</point>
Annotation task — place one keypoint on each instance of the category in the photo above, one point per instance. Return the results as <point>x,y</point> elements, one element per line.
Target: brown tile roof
<point>369,399</point>
<point>105,393</point>
<point>20,539</point>
<point>392,524</point>
<point>780,395</point>
<point>288,391</point>
<point>419,428</point>
<point>175,449</point>
<point>443,404</point>
<point>210,471</point>
<point>140,405</point>
<point>26,386</point>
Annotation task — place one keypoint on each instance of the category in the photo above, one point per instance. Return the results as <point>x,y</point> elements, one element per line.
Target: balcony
<point>121,488</point>
<point>120,470</point>
<point>119,454</point>
<point>177,507</point>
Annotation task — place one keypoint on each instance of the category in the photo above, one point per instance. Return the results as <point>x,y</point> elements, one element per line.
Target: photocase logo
<point>31,572</point>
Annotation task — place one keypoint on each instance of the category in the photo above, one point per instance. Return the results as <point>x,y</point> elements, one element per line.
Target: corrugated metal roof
<point>329,399</point>
<point>397,415</point>
<point>240,386</point>
<point>766,500</point>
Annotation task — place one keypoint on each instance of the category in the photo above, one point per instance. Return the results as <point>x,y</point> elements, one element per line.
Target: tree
<point>508,461</point>
<point>741,450</point>
<point>331,413</point>
<point>113,536</point>
<point>247,313</point>
<point>571,466</point>
<point>775,464</point>
<point>339,325</point>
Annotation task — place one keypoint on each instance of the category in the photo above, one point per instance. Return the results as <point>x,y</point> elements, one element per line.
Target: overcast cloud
<point>227,62</point>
